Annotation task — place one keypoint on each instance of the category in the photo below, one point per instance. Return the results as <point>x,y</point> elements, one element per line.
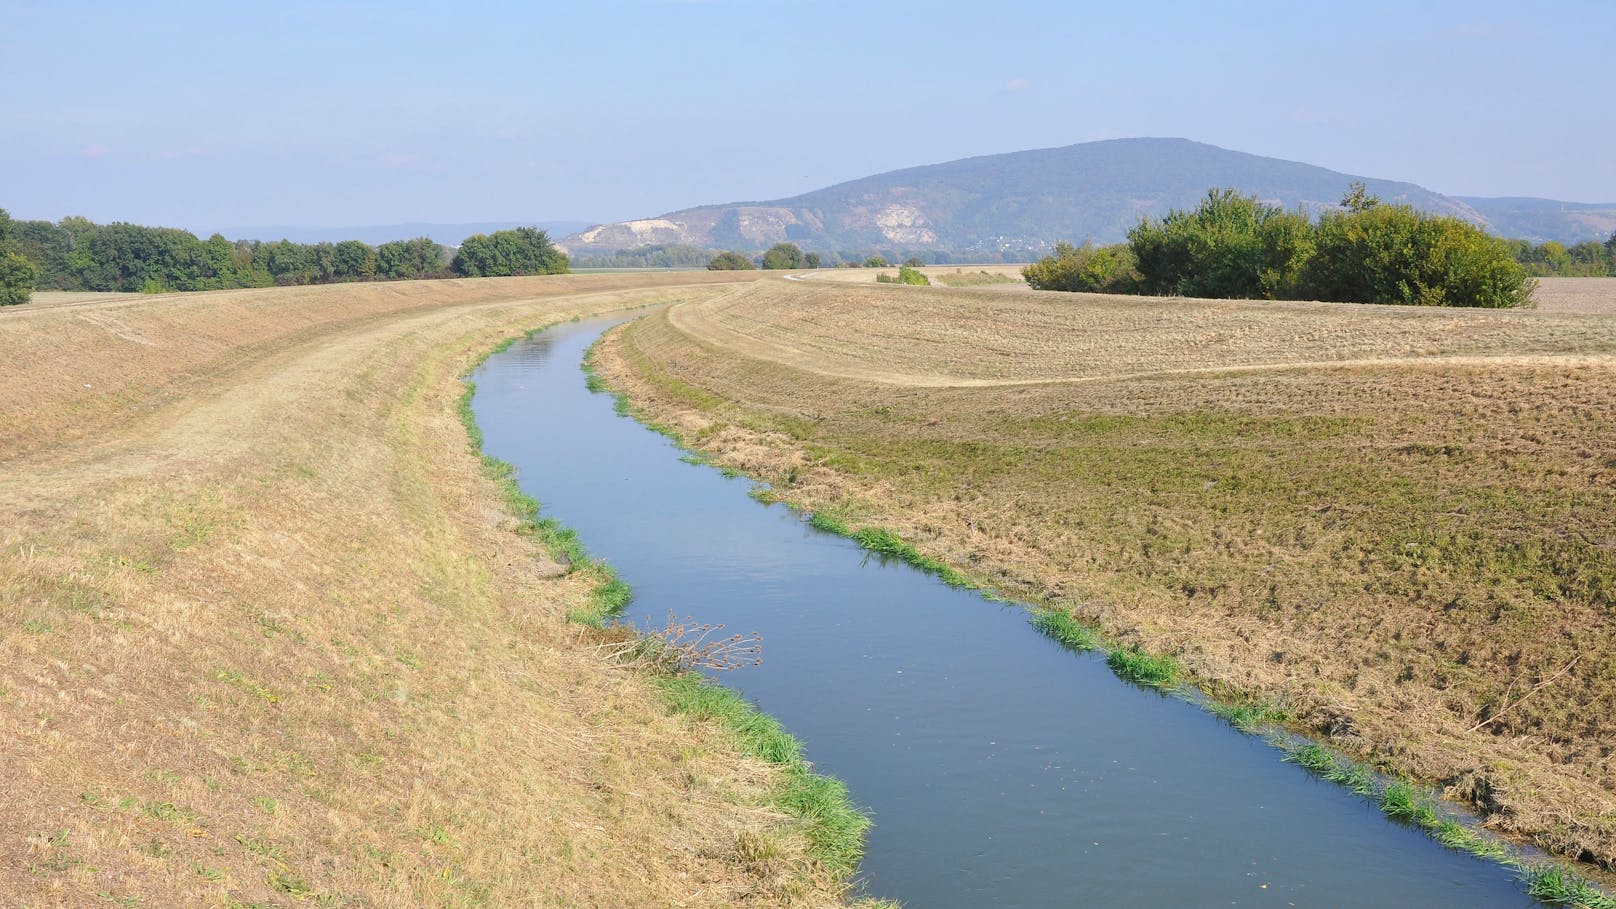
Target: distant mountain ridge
<point>1026,201</point>
<point>446,234</point>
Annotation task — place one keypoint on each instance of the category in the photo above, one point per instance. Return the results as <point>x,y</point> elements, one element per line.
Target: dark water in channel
<point>1000,769</point>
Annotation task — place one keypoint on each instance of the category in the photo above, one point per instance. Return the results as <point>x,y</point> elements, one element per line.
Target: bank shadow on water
<point>1000,768</point>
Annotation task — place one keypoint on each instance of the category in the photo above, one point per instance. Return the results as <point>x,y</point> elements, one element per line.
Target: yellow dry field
<point>1589,296</point>
<point>1011,273</point>
<point>267,638</point>
<point>1396,524</point>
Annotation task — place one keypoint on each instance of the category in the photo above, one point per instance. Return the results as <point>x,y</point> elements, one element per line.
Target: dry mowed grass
<point>267,639</point>
<point>1395,523</point>
<point>1010,274</point>
<point>1591,296</point>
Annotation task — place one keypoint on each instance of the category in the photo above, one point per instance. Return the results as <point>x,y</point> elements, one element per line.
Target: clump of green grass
<point>1559,887</point>
<point>1063,628</point>
<point>1341,771</point>
<point>822,521</point>
<point>1406,802</point>
<point>1313,757</point>
<point>1139,667</point>
<point>1455,835</point>
<point>833,826</point>
<point>886,543</point>
<point>1249,717</point>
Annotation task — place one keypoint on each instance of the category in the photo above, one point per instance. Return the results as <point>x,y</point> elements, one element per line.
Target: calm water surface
<point>1000,769</point>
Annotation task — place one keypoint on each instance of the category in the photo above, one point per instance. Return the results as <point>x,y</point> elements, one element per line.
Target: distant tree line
<point>791,256</point>
<point>1233,246</point>
<point>1584,260</point>
<point>781,256</point>
<point>657,255</point>
<point>503,253</point>
<point>77,254</point>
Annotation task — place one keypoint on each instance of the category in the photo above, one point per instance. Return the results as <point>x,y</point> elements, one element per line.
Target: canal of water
<point>999,768</point>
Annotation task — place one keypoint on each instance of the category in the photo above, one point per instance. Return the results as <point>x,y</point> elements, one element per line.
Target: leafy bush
<point>1584,260</point>
<point>783,255</point>
<point>16,279</point>
<point>1377,253</point>
<point>730,261</point>
<point>17,274</point>
<point>1233,246</point>
<point>418,258</point>
<point>1230,246</point>
<point>906,275</point>
<point>1086,268</point>
<point>523,251</point>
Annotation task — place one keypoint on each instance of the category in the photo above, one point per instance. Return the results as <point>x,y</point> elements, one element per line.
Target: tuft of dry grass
<point>1398,524</point>
<point>267,635</point>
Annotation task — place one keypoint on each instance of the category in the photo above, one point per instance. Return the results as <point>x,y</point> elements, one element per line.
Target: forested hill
<point>1025,201</point>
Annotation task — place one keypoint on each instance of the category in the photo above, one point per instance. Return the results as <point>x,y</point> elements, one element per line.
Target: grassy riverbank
<point>1390,525</point>
<point>271,634</point>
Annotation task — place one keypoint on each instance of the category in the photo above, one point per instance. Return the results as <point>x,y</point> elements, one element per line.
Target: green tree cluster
<point>783,256</point>
<point>1233,246</point>
<point>1087,269</point>
<point>907,274</point>
<point>1370,252</point>
<point>657,255</point>
<point>17,274</point>
<point>76,254</point>
<point>1229,246</point>
<point>503,253</point>
<point>730,261</point>
<point>1584,260</point>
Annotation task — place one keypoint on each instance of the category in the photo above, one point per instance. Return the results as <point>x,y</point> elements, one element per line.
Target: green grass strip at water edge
<point>835,828</point>
<point>1555,886</point>
<point>1139,667</point>
<point>887,544</point>
<point>610,595</point>
<point>1060,626</point>
<point>1406,801</point>
<point>1249,717</point>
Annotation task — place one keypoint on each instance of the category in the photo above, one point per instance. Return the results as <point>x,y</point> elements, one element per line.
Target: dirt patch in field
<point>1392,522</point>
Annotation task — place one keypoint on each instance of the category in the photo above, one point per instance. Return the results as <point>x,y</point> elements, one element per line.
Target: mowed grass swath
<point>1390,527</point>
<point>272,634</point>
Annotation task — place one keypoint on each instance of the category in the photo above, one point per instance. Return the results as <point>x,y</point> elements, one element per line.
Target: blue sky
<point>205,115</point>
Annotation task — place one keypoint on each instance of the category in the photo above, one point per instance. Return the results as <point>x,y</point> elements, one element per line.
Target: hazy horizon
<point>208,117</point>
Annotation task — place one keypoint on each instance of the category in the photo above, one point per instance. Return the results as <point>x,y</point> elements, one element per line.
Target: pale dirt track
<point>268,637</point>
